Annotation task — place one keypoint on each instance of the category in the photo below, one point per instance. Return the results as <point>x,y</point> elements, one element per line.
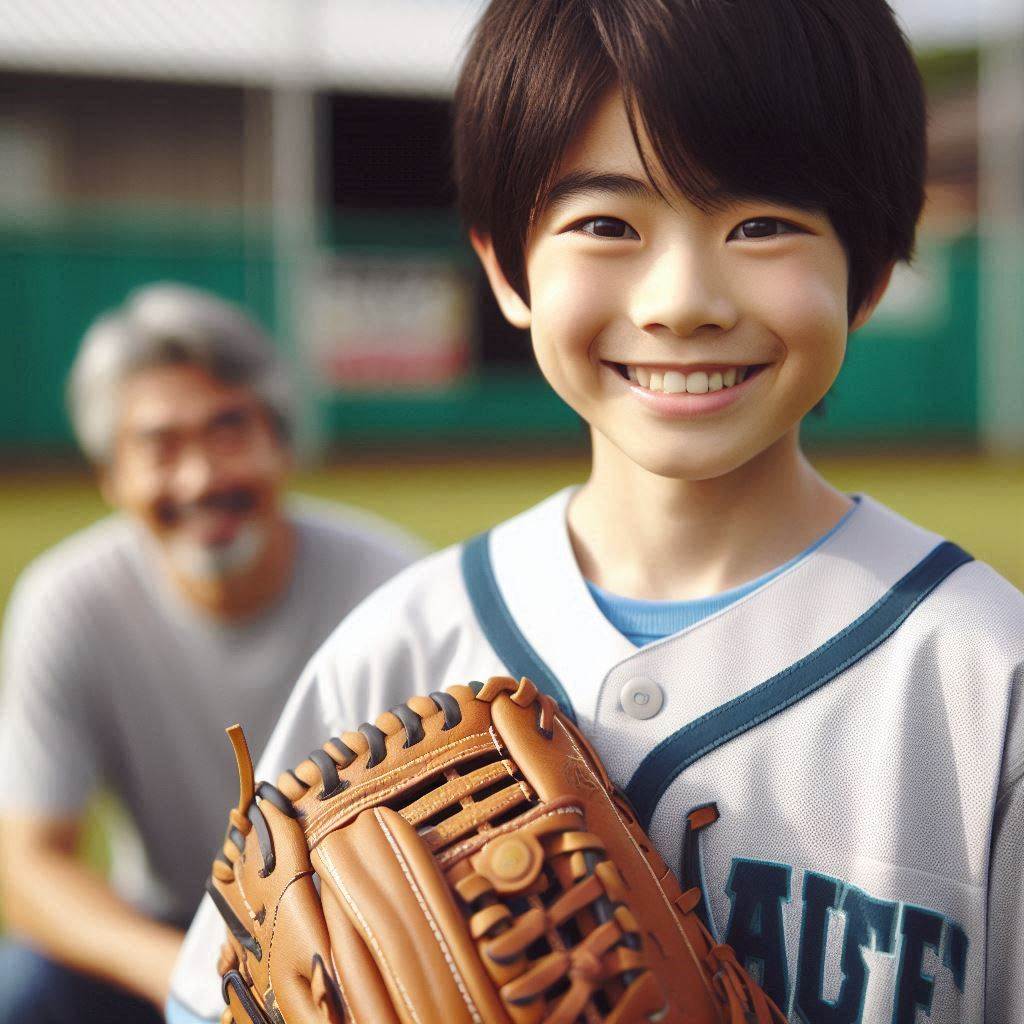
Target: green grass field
<point>979,503</point>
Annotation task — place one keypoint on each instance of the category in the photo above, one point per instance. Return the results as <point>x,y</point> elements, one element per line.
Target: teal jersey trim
<point>498,625</point>
<point>675,754</point>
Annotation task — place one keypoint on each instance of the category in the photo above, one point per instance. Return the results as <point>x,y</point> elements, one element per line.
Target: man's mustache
<point>238,499</point>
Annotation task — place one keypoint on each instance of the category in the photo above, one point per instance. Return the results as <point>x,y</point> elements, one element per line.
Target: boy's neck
<point>641,535</point>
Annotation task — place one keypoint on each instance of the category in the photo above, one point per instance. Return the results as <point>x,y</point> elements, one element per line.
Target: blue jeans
<point>34,989</point>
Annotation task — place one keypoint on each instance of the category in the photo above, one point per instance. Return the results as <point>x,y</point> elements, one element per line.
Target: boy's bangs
<point>725,113</point>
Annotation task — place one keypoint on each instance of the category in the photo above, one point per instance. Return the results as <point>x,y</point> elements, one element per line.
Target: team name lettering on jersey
<point>838,922</point>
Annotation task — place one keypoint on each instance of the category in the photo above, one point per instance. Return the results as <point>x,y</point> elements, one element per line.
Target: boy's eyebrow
<point>584,182</point>
<point>576,183</point>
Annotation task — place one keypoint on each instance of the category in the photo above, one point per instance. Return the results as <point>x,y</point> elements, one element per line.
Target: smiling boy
<point>691,205</point>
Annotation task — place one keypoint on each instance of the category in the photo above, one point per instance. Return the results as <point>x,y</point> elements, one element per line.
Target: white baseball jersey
<point>857,720</point>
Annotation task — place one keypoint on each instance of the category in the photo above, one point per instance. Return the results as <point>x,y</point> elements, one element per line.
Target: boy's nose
<point>683,293</point>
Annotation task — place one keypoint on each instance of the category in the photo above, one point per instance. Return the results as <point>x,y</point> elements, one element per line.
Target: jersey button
<point>641,698</point>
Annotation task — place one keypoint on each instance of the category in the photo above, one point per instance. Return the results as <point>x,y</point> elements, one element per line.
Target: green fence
<point>55,278</point>
<point>910,377</point>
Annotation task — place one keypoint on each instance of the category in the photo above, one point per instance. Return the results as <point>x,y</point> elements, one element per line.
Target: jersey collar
<point>536,571</point>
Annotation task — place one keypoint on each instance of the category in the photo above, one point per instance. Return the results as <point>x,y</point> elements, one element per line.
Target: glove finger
<point>360,982</point>
<point>242,1007</point>
<point>389,885</point>
<point>326,995</point>
<point>305,991</point>
<point>278,937</point>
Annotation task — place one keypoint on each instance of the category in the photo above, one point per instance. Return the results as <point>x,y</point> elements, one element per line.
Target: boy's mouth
<point>693,382</point>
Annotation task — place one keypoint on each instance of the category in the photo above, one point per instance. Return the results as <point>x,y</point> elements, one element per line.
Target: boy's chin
<point>692,472</point>
<point>694,456</point>
<point>692,464</point>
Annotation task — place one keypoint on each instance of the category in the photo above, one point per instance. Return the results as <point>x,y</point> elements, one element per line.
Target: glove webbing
<point>566,944</point>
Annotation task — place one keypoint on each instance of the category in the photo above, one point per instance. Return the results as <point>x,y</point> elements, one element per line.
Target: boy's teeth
<point>697,383</point>
<point>672,382</point>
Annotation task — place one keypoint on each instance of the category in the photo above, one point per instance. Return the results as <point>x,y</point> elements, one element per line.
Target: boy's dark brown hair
<point>816,103</point>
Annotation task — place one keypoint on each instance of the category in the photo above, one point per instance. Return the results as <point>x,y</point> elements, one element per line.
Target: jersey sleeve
<point>1004,985</point>
<point>1004,988</point>
<point>48,746</point>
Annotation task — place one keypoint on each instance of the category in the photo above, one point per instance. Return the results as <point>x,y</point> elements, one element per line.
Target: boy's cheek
<point>805,311</point>
<point>570,311</point>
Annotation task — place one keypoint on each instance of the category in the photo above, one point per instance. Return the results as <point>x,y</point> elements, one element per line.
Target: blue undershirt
<point>643,622</point>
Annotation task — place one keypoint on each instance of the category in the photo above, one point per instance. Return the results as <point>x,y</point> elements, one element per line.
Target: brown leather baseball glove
<point>464,861</point>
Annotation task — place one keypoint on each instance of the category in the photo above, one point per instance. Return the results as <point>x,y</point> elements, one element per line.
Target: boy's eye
<point>762,227</point>
<point>606,227</point>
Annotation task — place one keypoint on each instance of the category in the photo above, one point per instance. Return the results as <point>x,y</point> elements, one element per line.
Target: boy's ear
<point>872,299</point>
<point>516,311</point>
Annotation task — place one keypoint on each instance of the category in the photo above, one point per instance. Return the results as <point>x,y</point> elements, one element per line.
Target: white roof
<point>406,46</point>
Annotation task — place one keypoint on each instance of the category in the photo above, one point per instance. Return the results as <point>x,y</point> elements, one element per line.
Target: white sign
<point>389,324</point>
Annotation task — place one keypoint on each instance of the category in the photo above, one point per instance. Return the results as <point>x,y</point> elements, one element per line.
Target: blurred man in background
<point>129,647</point>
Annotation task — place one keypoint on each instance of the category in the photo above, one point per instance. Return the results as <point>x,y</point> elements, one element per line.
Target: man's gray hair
<point>164,324</point>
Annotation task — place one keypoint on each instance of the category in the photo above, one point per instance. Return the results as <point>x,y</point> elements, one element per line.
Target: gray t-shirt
<point>111,679</point>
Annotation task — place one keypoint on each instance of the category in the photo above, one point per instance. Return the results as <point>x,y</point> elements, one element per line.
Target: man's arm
<point>56,904</point>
